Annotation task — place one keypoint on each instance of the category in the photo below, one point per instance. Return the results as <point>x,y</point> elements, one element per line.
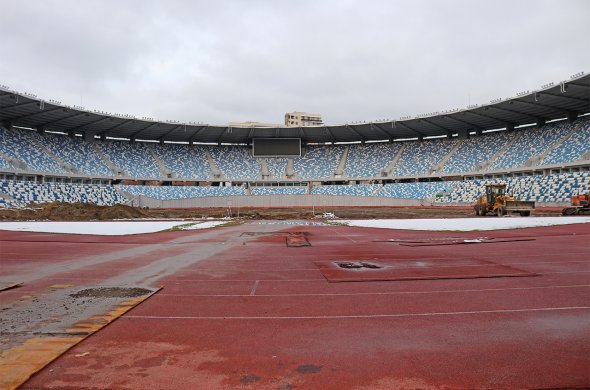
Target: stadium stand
<point>529,143</point>
<point>369,160</point>
<point>5,164</point>
<point>179,192</point>
<point>235,162</point>
<point>573,148</point>
<point>346,190</point>
<point>318,163</point>
<point>542,189</point>
<point>278,190</point>
<point>23,193</point>
<point>187,162</point>
<point>477,150</point>
<point>418,158</point>
<point>277,167</point>
<point>416,190</point>
<point>77,153</point>
<point>135,159</point>
<point>20,145</point>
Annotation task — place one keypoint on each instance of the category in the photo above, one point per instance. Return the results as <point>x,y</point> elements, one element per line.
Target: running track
<point>249,312</point>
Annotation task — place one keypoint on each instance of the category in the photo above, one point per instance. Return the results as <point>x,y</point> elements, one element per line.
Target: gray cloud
<point>236,60</point>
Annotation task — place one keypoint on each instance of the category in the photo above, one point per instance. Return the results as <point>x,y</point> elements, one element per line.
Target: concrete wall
<point>276,201</point>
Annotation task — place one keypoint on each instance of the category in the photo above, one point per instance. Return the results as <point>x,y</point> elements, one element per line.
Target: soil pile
<point>58,211</point>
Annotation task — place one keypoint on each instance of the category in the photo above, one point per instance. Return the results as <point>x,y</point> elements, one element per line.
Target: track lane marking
<point>400,315</point>
<point>372,293</point>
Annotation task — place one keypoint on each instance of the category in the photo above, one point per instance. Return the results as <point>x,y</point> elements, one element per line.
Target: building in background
<point>299,119</point>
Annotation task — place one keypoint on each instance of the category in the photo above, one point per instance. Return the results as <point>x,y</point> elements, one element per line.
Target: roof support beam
<point>92,122</point>
<point>565,97</point>
<point>125,122</point>
<point>134,135</point>
<point>363,139</point>
<point>409,128</point>
<point>161,139</point>
<point>79,114</point>
<point>513,112</point>
<point>471,124</point>
<point>379,129</point>
<point>42,112</point>
<point>20,105</point>
<point>196,133</point>
<point>332,138</point>
<point>537,104</point>
<point>447,130</point>
<point>495,119</point>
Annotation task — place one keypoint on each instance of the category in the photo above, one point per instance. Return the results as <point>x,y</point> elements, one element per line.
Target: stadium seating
<point>346,190</point>
<point>529,143</point>
<point>5,164</point>
<point>477,150</point>
<point>235,162</point>
<point>574,148</point>
<point>187,162</point>
<point>24,193</point>
<point>179,192</point>
<point>417,190</point>
<point>135,159</point>
<point>277,167</point>
<point>369,160</point>
<point>20,144</point>
<point>77,153</point>
<point>542,189</point>
<point>278,190</point>
<point>418,158</point>
<point>319,162</point>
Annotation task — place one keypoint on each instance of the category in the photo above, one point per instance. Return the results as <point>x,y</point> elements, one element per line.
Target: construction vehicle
<point>497,201</point>
<point>580,205</point>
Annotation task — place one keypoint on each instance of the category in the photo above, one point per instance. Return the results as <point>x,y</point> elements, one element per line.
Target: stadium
<point>536,142</point>
<point>443,250</point>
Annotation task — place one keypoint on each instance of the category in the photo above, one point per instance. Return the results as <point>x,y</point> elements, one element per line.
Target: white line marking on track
<point>400,315</point>
<point>373,293</point>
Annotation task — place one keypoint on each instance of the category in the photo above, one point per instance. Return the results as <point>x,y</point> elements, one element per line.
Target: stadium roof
<point>552,101</point>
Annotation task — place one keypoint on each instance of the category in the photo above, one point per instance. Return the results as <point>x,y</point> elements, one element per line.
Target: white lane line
<point>401,315</point>
<point>254,287</point>
<point>374,293</point>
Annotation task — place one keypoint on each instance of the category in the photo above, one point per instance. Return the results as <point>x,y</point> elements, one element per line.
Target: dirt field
<point>86,212</point>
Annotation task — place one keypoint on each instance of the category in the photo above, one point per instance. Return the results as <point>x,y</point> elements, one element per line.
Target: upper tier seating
<point>19,144</point>
<point>133,158</point>
<point>369,160</point>
<point>417,190</point>
<point>277,167</point>
<point>319,162</point>
<point>278,190</point>
<point>186,162</point>
<point>236,163</point>
<point>477,150</point>
<point>346,190</point>
<point>5,164</point>
<point>180,192</point>
<point>76,152</point>
<point>529,143</point>
<point>24,193</point>
<point>418,158</point>
<point>574,148</point>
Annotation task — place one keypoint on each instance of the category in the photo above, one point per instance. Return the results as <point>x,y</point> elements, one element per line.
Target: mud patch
<point>283,234</point>
<point>111,292</point>
<point>248,379</point>
<point>296,241</point>
<point>357,265</point>
<point>309,369</point>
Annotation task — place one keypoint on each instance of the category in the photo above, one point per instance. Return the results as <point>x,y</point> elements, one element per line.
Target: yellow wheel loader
<point>496,201</point>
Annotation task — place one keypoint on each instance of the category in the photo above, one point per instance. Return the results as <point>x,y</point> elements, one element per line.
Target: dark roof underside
<point>558,101</point>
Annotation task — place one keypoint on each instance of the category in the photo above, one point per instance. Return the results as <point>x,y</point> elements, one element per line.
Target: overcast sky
<point>220,61</point>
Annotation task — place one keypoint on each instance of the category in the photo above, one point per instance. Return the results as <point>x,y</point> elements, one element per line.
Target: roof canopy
<point>552,101</point>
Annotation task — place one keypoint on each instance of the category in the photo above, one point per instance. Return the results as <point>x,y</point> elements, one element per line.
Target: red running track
<point>257,314</point>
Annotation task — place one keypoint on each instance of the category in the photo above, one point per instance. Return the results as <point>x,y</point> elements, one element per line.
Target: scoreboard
<point>276,147</point>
